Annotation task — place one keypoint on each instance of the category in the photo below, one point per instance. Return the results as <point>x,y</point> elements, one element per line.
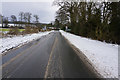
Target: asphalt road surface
<point>48,57</point>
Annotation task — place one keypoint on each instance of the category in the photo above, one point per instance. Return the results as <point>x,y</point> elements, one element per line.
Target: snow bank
<point>104,56</point>
<point>8,42</point>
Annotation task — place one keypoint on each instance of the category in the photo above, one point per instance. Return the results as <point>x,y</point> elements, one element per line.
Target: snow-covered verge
<point>8,43</point>
<point>103,56</point>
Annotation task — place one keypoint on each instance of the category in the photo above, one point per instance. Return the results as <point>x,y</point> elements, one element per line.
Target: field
<point>6,29</point>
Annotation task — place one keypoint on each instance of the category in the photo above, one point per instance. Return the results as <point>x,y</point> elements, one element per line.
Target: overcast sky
<point>45,10</point>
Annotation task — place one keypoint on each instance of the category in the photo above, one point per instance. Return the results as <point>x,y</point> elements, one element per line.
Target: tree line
<point>23,18</point>
<point>94,20</point>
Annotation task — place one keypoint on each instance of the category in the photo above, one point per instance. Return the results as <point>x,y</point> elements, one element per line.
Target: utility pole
<point>2,20</point>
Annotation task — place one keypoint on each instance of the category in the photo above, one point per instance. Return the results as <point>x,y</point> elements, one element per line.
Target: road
<point>48,57</point>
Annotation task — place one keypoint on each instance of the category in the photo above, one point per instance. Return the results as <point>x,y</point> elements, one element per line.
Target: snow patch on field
<point>104,56</point>
<point>8,43</point>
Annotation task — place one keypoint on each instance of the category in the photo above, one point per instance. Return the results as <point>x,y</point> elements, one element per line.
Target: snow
<point>16,41</point>
<point>119,62</point>
<point>103,56</point>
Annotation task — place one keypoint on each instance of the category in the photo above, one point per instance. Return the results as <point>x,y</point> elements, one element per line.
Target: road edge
<point>5,52</point>
<point>87,62</point>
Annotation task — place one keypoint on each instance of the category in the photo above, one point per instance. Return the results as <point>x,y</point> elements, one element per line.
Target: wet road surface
<point>48,57</point>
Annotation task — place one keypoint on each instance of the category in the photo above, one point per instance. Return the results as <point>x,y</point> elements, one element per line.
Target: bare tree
<point>5,21</point>
<point>21,17</point>
<point>21,14</point>
<point>27,17</point>
<point>13,19</point>
<point>36,18</point>
<point>1,21</point>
